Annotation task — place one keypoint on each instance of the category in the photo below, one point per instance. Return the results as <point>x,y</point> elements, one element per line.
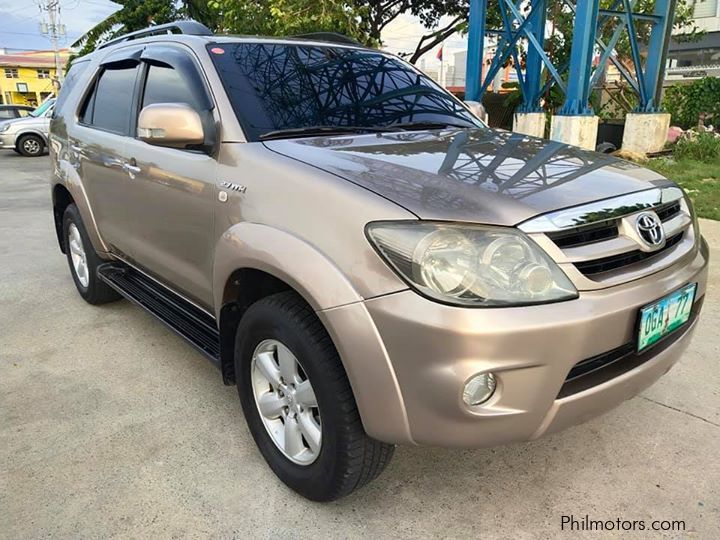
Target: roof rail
<point>188,27</point>
<point>332,37</point>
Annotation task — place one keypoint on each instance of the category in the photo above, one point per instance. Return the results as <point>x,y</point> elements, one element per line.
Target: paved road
<point>111,426</point>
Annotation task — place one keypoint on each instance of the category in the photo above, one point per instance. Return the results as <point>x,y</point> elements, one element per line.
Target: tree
<point>363,20</point>
<point>291,17</point>
<point>134,15</point>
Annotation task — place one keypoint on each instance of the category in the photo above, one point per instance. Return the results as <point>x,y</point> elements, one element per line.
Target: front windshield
<point>278,86</point>
<point>42,108</point>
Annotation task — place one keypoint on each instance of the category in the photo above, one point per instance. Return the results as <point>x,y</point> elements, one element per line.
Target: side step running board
<point>185,319</point>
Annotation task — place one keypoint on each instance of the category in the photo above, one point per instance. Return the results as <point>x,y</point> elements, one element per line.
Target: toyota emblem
<point>650,229</point>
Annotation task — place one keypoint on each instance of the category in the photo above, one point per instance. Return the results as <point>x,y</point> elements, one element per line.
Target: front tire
<point>83,260</point>
<point>31,145</point>
<point>298,402</point>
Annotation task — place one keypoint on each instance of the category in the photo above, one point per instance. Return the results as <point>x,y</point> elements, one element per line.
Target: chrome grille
<point>580,236</point>
<point>606,264</point>
<point>598,245</point>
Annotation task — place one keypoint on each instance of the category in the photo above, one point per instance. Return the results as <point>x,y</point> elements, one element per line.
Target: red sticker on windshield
<point>217,50</point>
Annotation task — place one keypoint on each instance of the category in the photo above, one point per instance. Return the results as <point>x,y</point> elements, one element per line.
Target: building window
<point>22,87</point>
<point>43,73</point>
<point>11,73</point>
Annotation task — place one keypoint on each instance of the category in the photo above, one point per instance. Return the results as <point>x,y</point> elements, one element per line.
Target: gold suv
<point>362,256</point>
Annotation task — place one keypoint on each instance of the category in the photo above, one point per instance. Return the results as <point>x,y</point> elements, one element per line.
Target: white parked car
<point>28,136</point>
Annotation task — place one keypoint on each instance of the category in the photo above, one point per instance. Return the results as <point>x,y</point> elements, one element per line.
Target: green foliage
<point>702,146</point>
<point>686,102</point>
<point>134,15</point>
<point>290,17</point>
<point>700,179</point>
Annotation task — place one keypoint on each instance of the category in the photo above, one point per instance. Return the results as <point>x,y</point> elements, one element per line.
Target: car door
<point>96,148</point>
<point>174,189</point>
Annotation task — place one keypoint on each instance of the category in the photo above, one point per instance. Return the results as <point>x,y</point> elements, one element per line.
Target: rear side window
<point>71,80</point>
<point>110,104</point>
<point>165,85</point>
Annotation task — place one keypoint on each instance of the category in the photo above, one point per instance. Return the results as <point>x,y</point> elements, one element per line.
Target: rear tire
<point>31,145</point>
<point>346,457</point>
<point>83,260</point>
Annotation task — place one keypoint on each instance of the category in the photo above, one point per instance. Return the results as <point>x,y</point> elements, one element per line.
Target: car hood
<point>29,122</point>
<point>479,175</point>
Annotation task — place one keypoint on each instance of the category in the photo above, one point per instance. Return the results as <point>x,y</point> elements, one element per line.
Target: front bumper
<point>408,359</point>
<point>7,141</point>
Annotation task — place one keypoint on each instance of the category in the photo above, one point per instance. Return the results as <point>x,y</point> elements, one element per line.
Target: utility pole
<point>53,29</point>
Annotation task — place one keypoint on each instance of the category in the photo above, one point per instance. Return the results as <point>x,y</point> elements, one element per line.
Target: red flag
<point>439,55</point>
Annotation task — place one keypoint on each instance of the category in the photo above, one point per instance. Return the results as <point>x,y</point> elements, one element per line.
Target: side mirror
<point>176,125</point>
<point>478,110</point>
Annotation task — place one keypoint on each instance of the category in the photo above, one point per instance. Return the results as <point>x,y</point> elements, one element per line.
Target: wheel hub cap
<point>32,146</point>
<point>77,255</point>
<point>286,402</point>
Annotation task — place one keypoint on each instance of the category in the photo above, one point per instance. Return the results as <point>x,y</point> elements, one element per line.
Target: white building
<point>689,60</point>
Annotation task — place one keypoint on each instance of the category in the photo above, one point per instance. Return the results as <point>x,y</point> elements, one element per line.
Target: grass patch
<point>700,179</point>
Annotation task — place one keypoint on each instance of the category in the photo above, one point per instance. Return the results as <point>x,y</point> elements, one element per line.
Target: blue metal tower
<point>577,78</point>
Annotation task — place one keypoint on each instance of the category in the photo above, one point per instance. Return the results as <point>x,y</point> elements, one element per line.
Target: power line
<point>54,30</point>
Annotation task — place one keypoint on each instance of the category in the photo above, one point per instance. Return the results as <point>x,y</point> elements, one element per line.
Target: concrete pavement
<point>112,426</point>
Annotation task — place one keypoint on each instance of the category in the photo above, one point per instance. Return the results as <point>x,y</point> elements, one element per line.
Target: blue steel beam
<point>511,43</point>
<point>635,51</point>
<point>506,44</point>
<point>647,82</point>
<point>533,70</point>
<point>658,46</point>
<point>578,89</point>
<point>608,50</point>
<point>532,40</point>
<point>476,42</point>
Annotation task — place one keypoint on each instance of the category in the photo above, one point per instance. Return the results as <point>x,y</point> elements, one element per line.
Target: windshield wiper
<point>319,130</point>
<point>407,126</point>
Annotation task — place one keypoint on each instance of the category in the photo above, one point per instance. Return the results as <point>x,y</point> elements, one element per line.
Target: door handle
<point>75,148</point>
<point>132,170</point>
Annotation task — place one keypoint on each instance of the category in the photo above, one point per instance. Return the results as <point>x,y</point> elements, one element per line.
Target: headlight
<point>471,265</point>
<point>4,127</point>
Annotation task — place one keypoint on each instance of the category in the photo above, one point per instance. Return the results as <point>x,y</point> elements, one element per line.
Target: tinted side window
<point>110,104</point>
<point>165,85</point>
<point>7,113</point>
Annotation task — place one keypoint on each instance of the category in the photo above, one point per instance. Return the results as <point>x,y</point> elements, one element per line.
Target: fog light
<point>479,389</point>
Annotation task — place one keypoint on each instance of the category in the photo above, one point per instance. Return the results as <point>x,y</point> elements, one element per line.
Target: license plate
<point>662,317</point>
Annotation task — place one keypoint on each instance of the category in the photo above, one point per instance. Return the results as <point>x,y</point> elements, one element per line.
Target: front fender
<point>32,131</point>
<point>285,256</point>
<point>338,305</point>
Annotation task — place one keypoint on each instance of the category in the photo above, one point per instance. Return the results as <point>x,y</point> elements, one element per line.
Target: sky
<point>19,22</point>
<point>19,27</point>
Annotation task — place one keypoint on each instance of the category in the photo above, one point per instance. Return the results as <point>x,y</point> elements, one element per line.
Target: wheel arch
<point>245,271</point>
<point>243,288</point>
<point>27,132</point>
<point>61,199</point>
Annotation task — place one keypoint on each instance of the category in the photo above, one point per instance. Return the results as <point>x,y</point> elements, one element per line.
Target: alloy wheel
<point>286,402</point>
<point>77,255</point>
<point>31,146</point>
